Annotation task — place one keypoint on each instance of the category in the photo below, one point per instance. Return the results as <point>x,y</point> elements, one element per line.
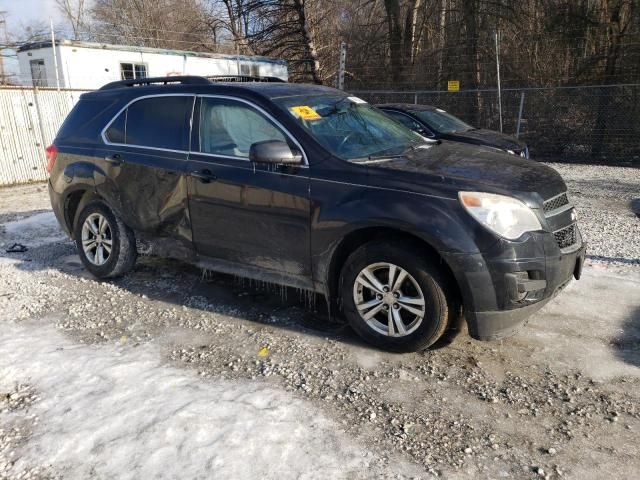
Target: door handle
<point>115,159</point>
<point>205,176</point>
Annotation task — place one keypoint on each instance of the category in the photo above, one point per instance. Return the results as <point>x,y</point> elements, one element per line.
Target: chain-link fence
<point>586,124</point>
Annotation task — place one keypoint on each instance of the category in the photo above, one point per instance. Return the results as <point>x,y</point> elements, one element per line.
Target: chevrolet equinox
<point>308,187</point>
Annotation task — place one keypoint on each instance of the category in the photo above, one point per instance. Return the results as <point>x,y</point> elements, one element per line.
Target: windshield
<point>349,127</point>
<point>442,122</point>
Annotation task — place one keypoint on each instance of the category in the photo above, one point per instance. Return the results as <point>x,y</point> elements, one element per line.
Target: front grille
<point>556,202</point>
<point>567,236</point>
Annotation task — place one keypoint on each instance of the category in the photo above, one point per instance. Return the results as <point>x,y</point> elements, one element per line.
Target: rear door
<point>245,213</point>
<point>143,162</point>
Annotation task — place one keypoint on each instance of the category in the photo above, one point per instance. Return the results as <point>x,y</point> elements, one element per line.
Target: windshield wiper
<point>379,157</point>
<point>385,157</point>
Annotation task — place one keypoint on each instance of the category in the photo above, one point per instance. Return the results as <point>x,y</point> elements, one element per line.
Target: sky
<point>24,12</point>
<point>21,13</point>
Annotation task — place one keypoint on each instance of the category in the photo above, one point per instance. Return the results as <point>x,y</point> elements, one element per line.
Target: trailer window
<point>130,71</point>
<point>250,69</point>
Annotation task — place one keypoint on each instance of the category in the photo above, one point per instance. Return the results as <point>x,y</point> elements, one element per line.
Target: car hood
<point>483,136</point>
<point>465,166</point>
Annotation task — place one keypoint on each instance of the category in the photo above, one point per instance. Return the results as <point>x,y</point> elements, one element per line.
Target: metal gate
<point>29,120</point>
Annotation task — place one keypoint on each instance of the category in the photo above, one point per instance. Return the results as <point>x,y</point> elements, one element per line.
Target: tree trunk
<point>310,57</point>
<point>618,13</point>
<point>394,27</point>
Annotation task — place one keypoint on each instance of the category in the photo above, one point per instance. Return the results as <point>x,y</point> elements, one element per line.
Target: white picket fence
<point>29,120</point>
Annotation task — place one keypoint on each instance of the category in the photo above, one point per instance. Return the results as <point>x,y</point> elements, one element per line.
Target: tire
<point>116,241</point>
<point>361,297</point>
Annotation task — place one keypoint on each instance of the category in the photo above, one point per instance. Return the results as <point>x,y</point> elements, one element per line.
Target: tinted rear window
<point>85,121</point>
<point>159,122</point>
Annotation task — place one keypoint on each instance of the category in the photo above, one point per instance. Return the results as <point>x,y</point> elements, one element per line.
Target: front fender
<point>440,222</point>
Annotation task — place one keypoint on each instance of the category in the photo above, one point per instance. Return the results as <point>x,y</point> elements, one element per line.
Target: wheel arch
<point>355,239</point>
<point>74,202</point>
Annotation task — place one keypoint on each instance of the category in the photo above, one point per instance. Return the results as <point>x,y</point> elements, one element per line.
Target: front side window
<point>349,127</point>
<point>156,122</point>
<point>229,127</point>
<point>131,71</point>
<point>405,120</point>
<point>442,122</point>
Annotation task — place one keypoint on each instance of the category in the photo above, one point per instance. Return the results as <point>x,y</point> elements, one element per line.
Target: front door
<point>246,214</point>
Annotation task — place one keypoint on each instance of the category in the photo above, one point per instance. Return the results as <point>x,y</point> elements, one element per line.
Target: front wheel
<point>393,297</point>
<point>107,247</point>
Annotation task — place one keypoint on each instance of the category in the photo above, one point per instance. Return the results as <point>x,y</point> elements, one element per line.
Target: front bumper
<point>502,288</point>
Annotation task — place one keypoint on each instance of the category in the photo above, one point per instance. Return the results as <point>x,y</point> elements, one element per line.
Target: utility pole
<point>237,57</point>
<point>498,73</point>
<point>3,22</point>
<point>55,55</point>
<point>343,64</point>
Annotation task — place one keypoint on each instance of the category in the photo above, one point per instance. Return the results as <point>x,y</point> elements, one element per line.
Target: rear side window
<point>157,122</point>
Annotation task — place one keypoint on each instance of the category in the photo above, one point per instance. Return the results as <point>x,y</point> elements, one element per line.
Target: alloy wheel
<point>97,239</point>
<point>389,299</point>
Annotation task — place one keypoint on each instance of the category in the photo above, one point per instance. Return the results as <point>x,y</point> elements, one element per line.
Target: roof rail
<point>179,79</point>
<point>244,78</point>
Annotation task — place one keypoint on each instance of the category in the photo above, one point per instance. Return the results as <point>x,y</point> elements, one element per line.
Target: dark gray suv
<point>309,187</point>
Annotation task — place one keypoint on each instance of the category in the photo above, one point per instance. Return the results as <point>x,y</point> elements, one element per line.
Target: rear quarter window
<point>85,121</point>
<point>116,131</point>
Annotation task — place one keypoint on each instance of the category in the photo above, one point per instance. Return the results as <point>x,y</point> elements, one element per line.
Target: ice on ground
<point>115,412</point>
<point>34,230</point>
<point>594,323</point>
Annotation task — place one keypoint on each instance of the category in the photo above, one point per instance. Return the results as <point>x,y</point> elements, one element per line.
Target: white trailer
<point>85,65</point>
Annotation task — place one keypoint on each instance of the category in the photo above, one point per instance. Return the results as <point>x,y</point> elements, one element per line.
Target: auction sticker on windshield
<point>305,112</point>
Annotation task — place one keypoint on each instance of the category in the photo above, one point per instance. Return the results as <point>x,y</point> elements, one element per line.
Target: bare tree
<point>75,13</point>
<point>281,28</point>
<point>12,41</point>
<point>392,43</point>
<point>175,24</point>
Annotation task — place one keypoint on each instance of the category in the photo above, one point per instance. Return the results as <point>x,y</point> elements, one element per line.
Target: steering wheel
<point>344,141</point>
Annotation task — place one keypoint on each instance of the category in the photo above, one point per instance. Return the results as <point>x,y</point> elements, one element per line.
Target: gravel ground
<point>603,197</point>
<point>560,399</point>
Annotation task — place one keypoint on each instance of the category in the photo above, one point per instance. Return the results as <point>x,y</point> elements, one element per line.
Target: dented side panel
<point>147,188</point>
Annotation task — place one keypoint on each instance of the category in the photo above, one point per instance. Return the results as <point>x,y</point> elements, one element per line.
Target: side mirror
<point>273,151</point>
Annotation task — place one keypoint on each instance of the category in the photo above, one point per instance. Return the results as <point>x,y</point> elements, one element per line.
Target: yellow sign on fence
<point>453,85</point>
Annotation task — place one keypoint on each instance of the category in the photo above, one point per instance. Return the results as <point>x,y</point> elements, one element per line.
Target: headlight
<point>511,152</point>
<point>506,216</point>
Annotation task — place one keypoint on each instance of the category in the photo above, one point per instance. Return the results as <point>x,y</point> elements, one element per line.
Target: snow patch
<point>35,230</point>
<point>117,412</point>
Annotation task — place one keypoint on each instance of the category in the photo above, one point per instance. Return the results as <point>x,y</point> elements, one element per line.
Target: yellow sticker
<point>263,352</point>
<point>305,113</point>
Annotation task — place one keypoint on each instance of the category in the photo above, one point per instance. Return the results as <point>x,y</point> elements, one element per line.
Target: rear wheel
<point>106,246</point>
<point>393,297</point>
